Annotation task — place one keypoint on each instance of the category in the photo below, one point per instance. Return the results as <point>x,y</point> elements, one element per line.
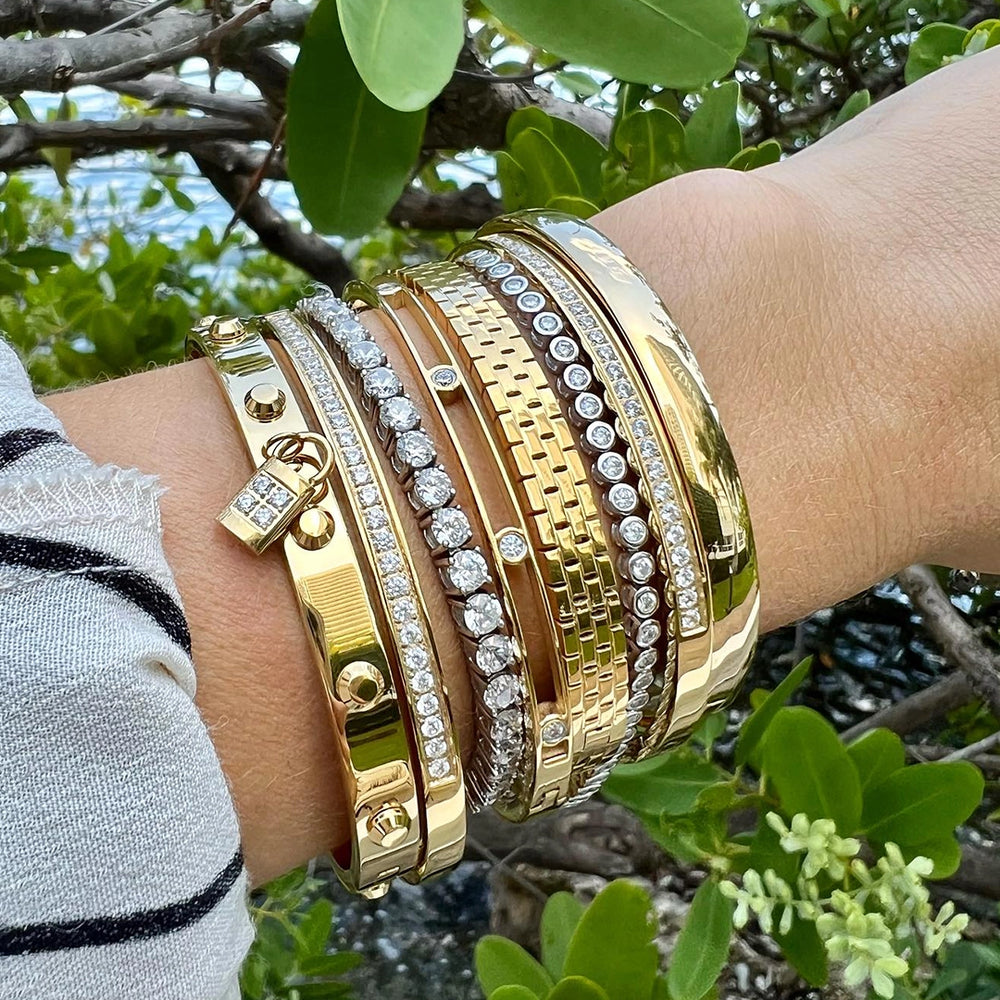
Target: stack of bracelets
<point>540,425</point>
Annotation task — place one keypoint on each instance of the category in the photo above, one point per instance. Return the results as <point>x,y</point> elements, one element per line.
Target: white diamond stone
<point>676,535</point>
<point>422,681</point>
<point>436,747</point>
<point>605,352</point>
<point>611,467</point>
<point>640,428</point>
<point>643,679</point>
<point>577,378</point>
<point>501,693</point>
<point>690,620</point>
<point>487,260</point>
<point>548,324</point>
<point>433,488</point>
<point>415,448</point>
<point>622,498</point>
<point>662,491</point>
<point>432,726</point>
<point>467,571</point>
<point>348,331</point>
<point>410,633</point>
<point>684,577</point>
<point>445,377</point>
<point>381,383</point>
<point>588,405</point>
<point>641,566</point>
<point>632,408</point>
<point>263,517</point>
<point>353,456</point>
<point>245,502</point>
<point>646,659</point>
<point>639,700</point>
<point>416,658</point>
<point>680,556</point>
<point>346,438</point>
<point>428,704</point>
<point>482,614</point>
<point>531,301</point>
<point>554,731</point>
<point>403,610</point>
<point>360,475</point>
<point>364,355</point>
<point>261,484</point>
<point>514,285</point>
<point>368,495</point>
<point>670,512</point>
<point>647,633</point>
<point>648,448</point>
<point>450,527</point>
<point>600,435</point>
<point>398,414</point>
<point>375,518</point>
<point>512,545</point>
<point>382,539</point>
<point>502,270</point>
<point>687,598</point>
<point>495,653</point>
<point>633,531</point>
<point>645,601</point>
<point>615,371</point>
<point>563,349</point>
<point>390,562</point>
<point>397,585</point>
<point>623,389</point>
<point>439,768</point>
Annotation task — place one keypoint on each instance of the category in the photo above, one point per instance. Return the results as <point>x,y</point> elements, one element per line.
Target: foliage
<point>289,958</point>
<point>816,803</point>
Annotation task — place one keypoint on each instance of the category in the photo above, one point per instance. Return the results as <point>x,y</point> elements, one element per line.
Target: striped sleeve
<point>121,873</point>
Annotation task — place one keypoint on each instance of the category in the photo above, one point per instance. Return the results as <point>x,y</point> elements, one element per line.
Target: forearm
<point>841,438</point>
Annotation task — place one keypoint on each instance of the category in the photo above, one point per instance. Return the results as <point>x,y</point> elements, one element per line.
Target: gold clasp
<point>288,480</point>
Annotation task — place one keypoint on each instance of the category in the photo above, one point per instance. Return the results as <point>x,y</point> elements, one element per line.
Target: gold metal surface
<point>313,528</point>
<point>441,800</point>
<point>571,559</point>
<point>264,402</point>
<point>710,665</point>
<point>337,611</point>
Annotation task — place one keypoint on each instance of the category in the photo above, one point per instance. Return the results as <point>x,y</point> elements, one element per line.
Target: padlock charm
<point>262,511</point>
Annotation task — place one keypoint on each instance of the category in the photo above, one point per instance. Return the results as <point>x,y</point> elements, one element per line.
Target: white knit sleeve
<point>121,873</point>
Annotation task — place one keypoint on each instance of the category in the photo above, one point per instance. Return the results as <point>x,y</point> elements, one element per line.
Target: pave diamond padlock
<point>278,491</point>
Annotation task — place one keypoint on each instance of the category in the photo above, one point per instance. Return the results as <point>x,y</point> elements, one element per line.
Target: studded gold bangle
<point>372,501</point>
<point>560,511</point>
<point>681,429</point>
<point>333,595</point>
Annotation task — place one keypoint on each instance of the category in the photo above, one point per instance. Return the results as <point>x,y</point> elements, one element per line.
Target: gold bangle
<point>503,762</point>
<point>562,516</point>
<point>371,499</point>
<point>333,598</point>
<point>712,660</point>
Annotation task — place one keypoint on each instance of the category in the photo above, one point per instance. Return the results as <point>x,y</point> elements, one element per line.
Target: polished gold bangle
<point>502,766</point>
<point>713,655</point>
<point>562,516</point>
<point>372,501</point>
<point>333,597</point>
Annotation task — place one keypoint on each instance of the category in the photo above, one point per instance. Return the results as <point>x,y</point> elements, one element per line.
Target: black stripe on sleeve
<point>141,590</point>
<point>17,443</point>
<point>94,931</point>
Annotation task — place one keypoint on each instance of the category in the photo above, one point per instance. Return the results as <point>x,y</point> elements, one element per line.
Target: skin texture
<point>842,305</point>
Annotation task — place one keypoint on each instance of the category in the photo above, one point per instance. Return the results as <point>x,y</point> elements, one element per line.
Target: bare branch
<point>144,13</point>
<point>795,41</point>
<point>468,208</point>
<point>49,16</point>
<point>162,131</point>
<point>957,639</point>
<point>307,251</point>
<point>164,90</point>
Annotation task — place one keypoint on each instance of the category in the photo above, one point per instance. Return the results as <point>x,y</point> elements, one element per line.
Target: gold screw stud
<point>226,330</point>
<point>376,891</point>
<point>359,683</point>
<point>313,528</point>
<point>389,825</point>
<point>264,402</point>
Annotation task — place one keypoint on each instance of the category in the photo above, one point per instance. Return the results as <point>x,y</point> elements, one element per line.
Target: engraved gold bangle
<point>372,500</point>
<point>561,513</point>
<point>684,428</point>
<point>502,764</point>
<point>336,608</point>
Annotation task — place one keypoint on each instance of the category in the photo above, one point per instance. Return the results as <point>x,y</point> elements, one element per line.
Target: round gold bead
<point>226,330</point>
<point>359,683</point>
<point>264,402</point>
<point>313,528</point>
<point>389,825</point>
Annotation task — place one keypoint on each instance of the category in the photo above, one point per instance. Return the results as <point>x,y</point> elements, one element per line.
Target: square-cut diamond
<point>245,502</point>
<point>263,517</point>
<point>279,498</point>
<point>261,484</point>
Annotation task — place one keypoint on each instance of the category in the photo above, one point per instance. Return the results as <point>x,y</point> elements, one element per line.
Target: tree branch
<point>468,208</point>
<point>49,16</point>
<point>158,131</point>
<point>307,251</point>
<point>957,639</point>
<point>791,39</point>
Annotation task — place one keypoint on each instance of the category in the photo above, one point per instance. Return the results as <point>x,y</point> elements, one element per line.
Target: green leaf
<point>349,155</point>
<point>560,917</point>
<point>669,784</point>
<point>501,962</point>
<point>702,945</point>
<point>512,992</point>
<point>809,768</point>
<point>38,258</point>
<point>922,802</point>
<point>548,171</point>
<point>711,727</point>
<point>876,754</point>
<point>652,148</point>
<point>330,965</point>
<point>828,8</point>
<point>932,46</point>
<point>583,85</point>
<point>805,951</point>
<point>613,943</point>
<point>577,988</point>
<point>404,52</point>
<point>752,731</point>
<point>945,852</point>
<point>858,101</point>
<point>713,131</point>
<point>314,928</point>
<point>513,181</point>
<point>676,43</point>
